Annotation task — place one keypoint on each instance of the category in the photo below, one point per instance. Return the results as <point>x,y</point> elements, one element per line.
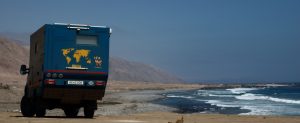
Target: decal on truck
<point>98,61</point>
<point>72,54</point>
<point>81,53</point>
<point>66,53</point>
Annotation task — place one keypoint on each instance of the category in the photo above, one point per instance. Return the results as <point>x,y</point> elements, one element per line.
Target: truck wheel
<point>27,107</point>
<point>40,112</point>
<point>40,108</point>
<point>89,109</point>
<point>88,112</point>
<point>71,111</point>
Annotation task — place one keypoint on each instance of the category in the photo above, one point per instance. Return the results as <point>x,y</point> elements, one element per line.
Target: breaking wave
<point>241,90</point>
<point>175,96</point>
<point>250,96</point>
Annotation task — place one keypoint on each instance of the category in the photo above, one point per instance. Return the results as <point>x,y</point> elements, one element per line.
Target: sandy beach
<point>133,104</point>
<point>150,117</point>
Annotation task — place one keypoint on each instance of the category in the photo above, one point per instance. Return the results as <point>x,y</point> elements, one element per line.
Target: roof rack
<point>81,26</point>
<point>86,25</point>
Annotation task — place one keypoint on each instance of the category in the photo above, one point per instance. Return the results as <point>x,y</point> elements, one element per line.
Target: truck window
<point>87,40</point>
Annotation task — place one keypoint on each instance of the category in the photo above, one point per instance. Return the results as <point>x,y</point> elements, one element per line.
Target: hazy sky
<point>211,40</point>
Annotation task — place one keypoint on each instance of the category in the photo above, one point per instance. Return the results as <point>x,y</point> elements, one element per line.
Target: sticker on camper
<point>81,53</point>
<point>66,53</point>
<point>98,61</point>
<point>71,54</point>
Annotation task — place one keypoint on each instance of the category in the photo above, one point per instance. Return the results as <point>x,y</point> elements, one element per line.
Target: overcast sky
<point>211,40</point>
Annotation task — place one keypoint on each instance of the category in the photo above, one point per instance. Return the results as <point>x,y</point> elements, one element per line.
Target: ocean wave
<point>221,95</point>
<point>176,96</point>
<point>250,96</point>
<point>254,110</point>
<point>219,103</point>
<point>241,90</point>
<point>252,101</point>
<point>213,92</point>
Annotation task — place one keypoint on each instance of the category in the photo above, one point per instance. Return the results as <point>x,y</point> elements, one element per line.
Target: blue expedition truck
<point>68,69</point>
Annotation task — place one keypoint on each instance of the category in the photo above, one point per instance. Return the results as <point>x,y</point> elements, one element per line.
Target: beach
<point>134,104</point>
<point>150,117</point>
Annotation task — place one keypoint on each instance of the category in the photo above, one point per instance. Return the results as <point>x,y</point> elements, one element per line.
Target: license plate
<point>71,82</point>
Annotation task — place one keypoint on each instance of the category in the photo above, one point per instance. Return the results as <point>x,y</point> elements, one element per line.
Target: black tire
<point>89,109</point>
<point>89,112</point>
<point>27,107</point>
<point>40,112</point>
<point>40,108</point>
<point>71,112</point>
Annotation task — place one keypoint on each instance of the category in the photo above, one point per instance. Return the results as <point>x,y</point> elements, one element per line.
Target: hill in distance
<point>14,54</point>
<point>124,70</point>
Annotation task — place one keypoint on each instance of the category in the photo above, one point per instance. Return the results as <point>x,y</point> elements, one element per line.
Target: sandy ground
<point>128,103</point>
<point>150,117</point>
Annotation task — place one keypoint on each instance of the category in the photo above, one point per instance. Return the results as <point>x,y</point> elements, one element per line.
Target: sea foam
<point>175,96</point>
<point>250,96</point>
<point>241,90</point>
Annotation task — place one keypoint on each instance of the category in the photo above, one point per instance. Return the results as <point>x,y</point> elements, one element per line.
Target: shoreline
<point>137,101</point>
<point>152,117</point>
<point>114,103</point>
<point>138,107</point>
<point>236,101</point>
<point>133,102</point>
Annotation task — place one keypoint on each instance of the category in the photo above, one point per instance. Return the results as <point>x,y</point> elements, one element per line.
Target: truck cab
<point>68,69</point>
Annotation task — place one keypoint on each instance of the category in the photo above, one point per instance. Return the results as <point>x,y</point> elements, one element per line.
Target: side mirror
<point>23,69</point>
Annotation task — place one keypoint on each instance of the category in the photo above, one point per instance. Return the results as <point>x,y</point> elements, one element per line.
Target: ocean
<point>271,100</point>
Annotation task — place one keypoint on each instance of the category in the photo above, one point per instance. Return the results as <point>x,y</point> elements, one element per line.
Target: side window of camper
<point>86,40</point>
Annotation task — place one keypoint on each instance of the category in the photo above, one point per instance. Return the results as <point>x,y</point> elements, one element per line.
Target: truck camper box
<point>68,69</point>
